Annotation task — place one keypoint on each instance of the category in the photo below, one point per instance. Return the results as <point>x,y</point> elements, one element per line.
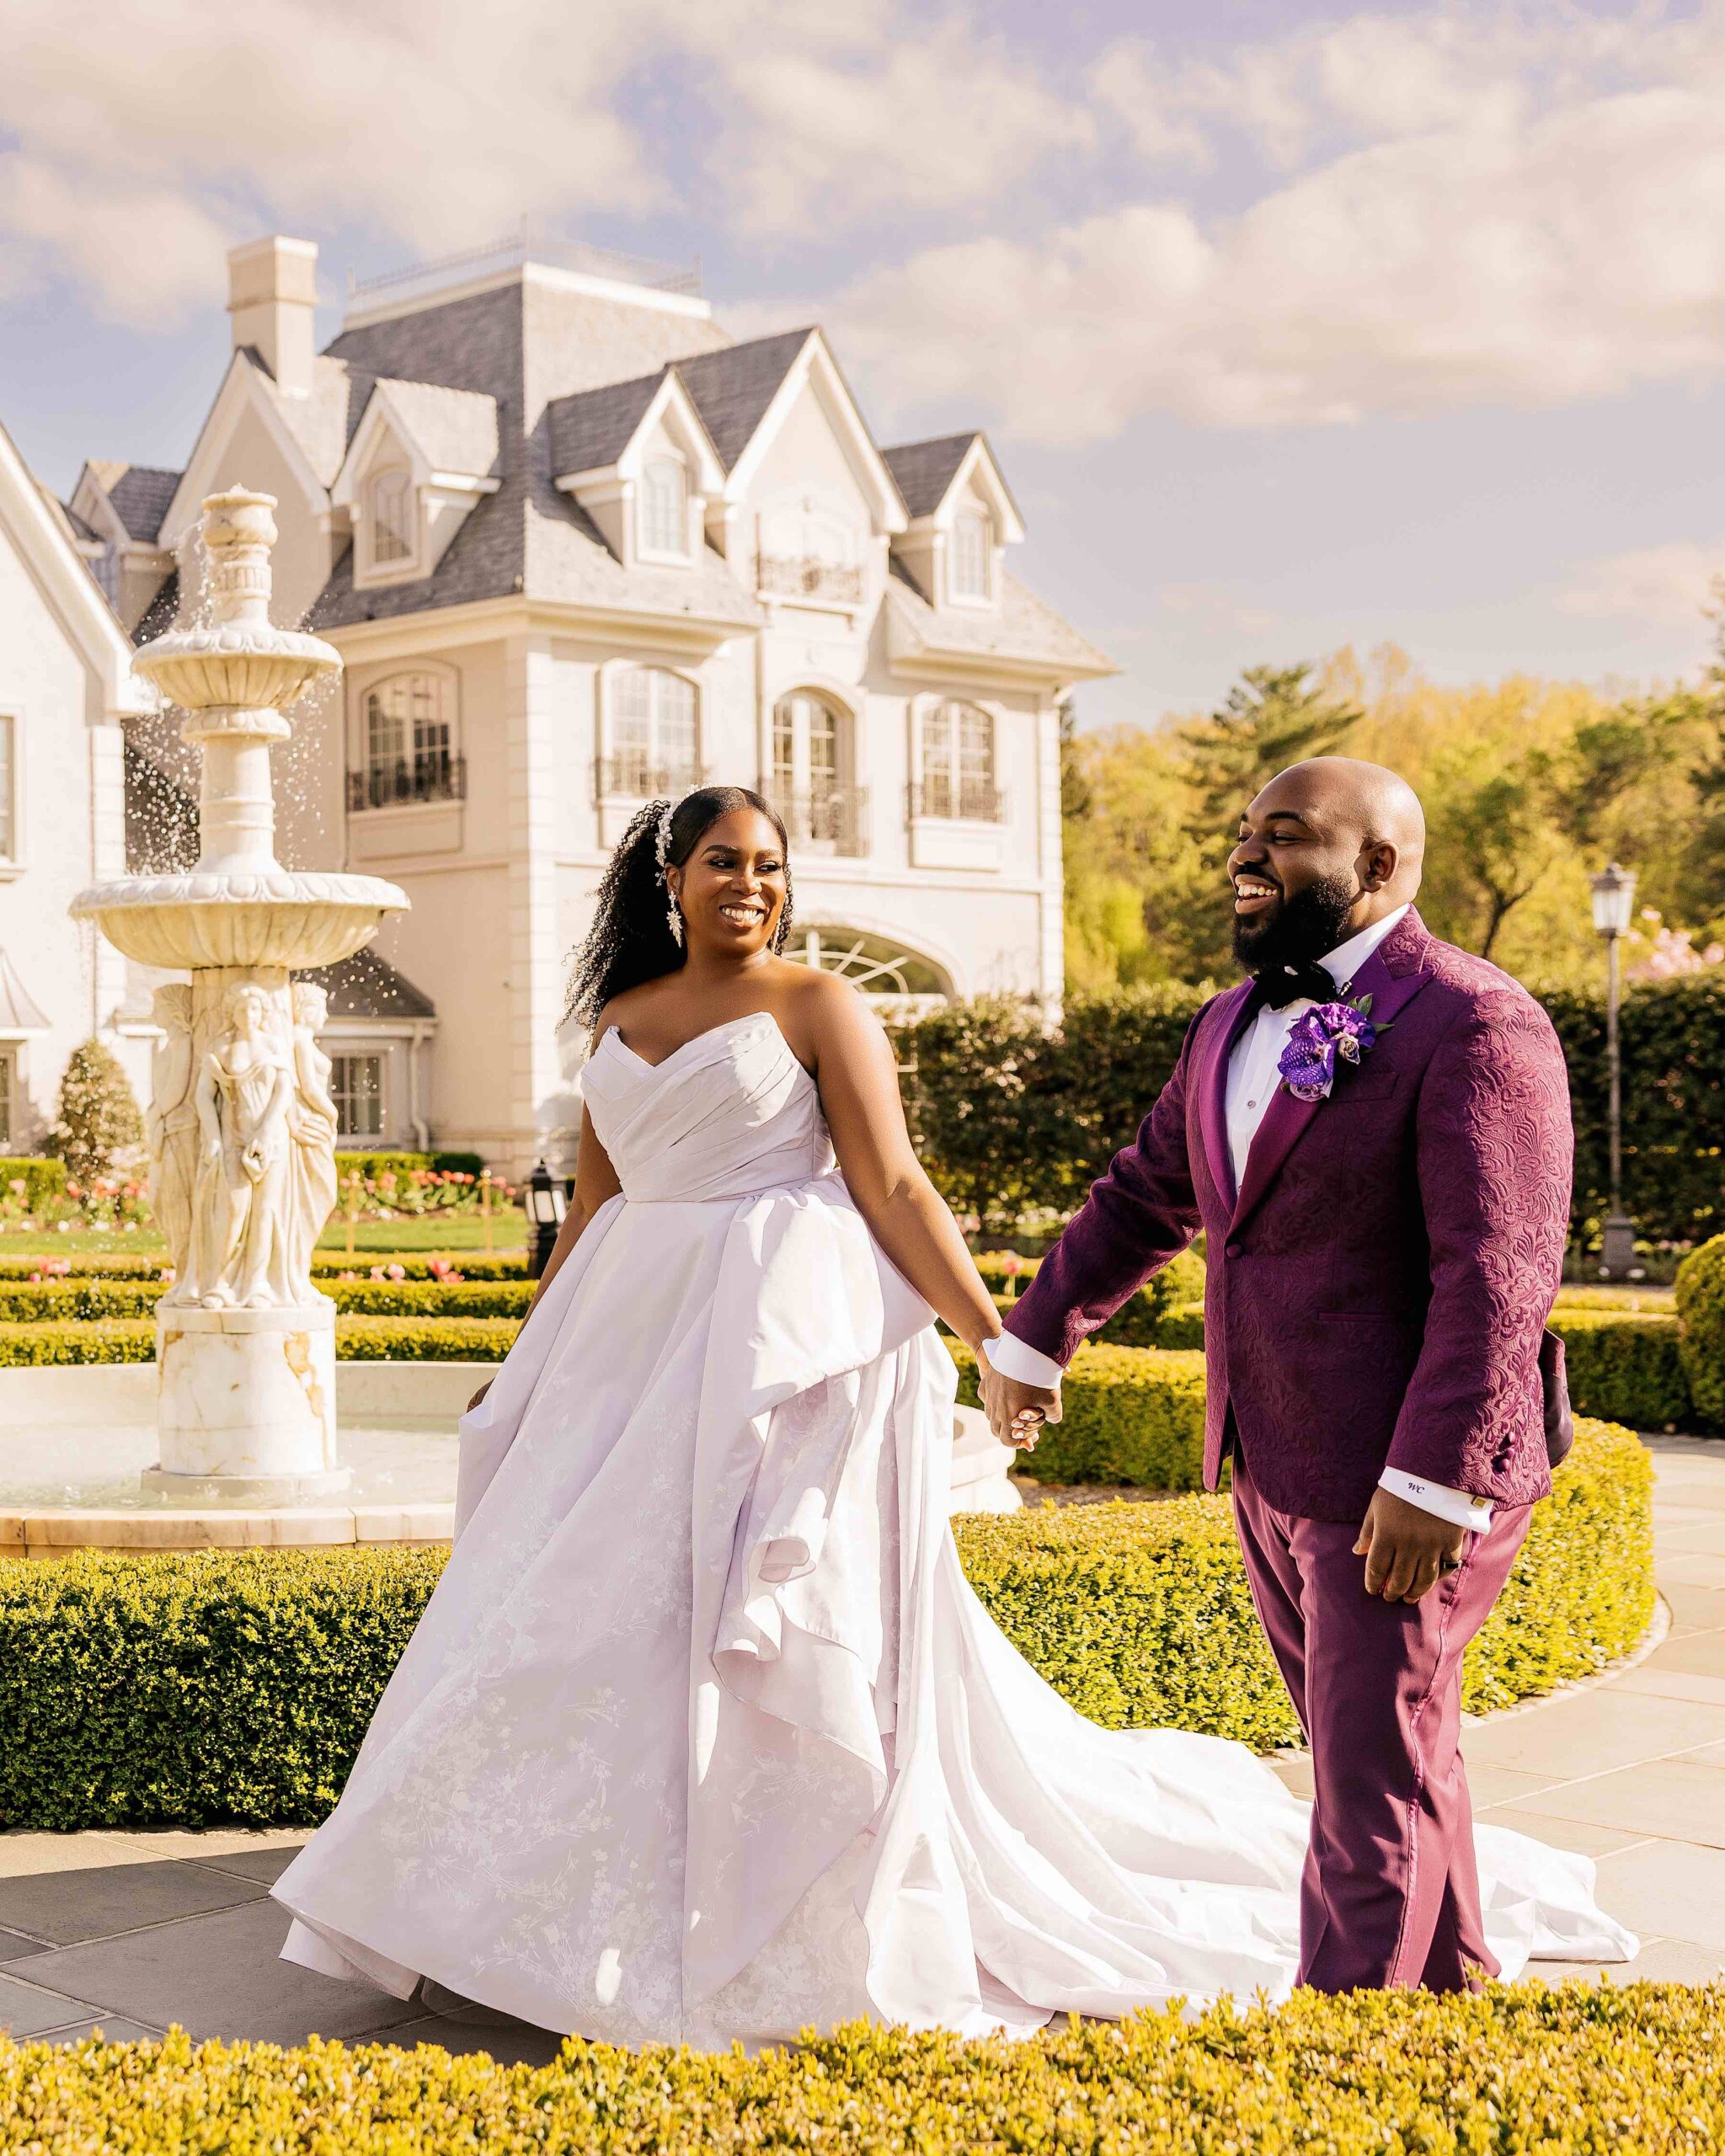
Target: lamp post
<point>1614,900</point>
<point>546,1207</point>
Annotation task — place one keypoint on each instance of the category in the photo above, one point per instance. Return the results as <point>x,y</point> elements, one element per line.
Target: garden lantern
<point>546,1207</point>
<point>1614,900</point>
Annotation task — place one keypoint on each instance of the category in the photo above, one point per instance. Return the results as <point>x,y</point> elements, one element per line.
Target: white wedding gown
<point>704,1737</point>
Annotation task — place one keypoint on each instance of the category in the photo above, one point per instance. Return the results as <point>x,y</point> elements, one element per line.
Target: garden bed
<point>192,1691</point>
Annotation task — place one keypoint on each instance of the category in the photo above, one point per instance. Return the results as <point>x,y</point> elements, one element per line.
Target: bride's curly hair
<point>630,940</point>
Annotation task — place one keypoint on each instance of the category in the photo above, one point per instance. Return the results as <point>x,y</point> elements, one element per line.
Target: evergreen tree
<point>1274,716</point>
<point>98,1115</point>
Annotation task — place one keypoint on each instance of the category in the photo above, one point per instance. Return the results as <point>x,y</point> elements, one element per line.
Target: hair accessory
<point>661,838</point>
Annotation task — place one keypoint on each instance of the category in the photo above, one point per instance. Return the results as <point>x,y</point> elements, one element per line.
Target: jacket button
<point>1234,1250</point>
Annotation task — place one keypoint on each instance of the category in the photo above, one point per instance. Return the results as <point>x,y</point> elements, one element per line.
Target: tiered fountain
<point>241,1126</point>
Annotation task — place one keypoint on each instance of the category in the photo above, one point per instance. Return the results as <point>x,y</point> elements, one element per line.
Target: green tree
<point>1273,716</point>
<point>98,1116</point>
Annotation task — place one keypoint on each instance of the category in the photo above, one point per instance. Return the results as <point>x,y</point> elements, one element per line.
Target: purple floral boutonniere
<point>1323,1041</point>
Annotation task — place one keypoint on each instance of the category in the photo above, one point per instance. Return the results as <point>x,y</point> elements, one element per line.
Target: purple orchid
<point>1321,1041</point>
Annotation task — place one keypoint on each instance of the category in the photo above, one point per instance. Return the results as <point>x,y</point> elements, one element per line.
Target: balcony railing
<point>629,778</point>
<point>969,802</point>
<point>783,576</point>
<point>396,783</point>
<point>834,820</point>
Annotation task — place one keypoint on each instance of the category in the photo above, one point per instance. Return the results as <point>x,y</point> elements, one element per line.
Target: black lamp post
<point>546,1207</point>
<point>1614,902</point>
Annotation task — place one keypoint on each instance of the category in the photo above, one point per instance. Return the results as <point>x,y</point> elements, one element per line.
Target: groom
<point>1373,1130</point>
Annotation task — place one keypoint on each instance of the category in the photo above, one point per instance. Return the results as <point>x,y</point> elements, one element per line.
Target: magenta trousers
<point>1390,1894</point>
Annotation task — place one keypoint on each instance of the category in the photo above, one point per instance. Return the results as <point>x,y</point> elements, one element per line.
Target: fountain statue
<point>241,1126</point>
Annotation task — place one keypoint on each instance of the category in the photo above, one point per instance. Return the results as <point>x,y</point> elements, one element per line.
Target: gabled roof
<point>139,494</point>
<point>923,471</point>
<point>20,1012</point>
<point>732,388</point>
<point>367,986</point>
<point>159,617</point>
<point>84,535</point>
<point>455,429</point>
<point>593,429</point>
<point>1022,635</point>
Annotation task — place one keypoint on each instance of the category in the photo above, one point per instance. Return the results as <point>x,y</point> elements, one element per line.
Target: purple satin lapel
<point>1221,1034</point>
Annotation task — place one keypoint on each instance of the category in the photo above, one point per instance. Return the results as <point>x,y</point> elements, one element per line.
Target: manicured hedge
<point>1580,2069</point>
<point>1700,1311</point>
<point>1627,1365</point>
<point>79,1297</point>
<point>42,1178</point>
<point>326,1265</point>
<point>373,1165</point>
<point>1129,1415</point>
<point>357,1340</point>
<point>181,1691</point>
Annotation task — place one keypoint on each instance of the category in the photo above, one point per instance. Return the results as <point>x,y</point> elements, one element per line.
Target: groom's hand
<point>1407,1549</point>
<point>1015,1413</point>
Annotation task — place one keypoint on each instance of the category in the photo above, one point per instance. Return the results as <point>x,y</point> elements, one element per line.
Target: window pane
<point>664,523</point>
<point>938,761</point>
<point>674,721</point>
<point>975,747</point>
<point>784,744</point>
<point>9,787</point>
<point>970,555</point>
<point>356,1088</point>
<point>392,525</point>
<point>823,747</point>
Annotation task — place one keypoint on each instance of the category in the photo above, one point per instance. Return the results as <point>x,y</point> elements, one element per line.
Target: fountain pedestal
<point>241,1127</point>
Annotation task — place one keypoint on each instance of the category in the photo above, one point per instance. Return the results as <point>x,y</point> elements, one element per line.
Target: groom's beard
<point>1299,930</point>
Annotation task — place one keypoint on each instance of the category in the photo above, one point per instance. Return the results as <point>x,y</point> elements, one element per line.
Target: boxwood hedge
<point>1700,1311</point>
<point>1581,2068</point>
<point>188,1689</point>
<point>359,1339</point>
<point>1129,1415</point>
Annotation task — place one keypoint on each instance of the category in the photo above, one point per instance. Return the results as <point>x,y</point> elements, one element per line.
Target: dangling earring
<point>674,920</point>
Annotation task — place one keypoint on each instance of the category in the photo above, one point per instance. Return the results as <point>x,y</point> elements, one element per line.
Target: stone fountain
<point>241,1125</point>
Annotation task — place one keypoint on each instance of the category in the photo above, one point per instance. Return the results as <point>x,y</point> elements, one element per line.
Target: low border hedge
<point>360,1339</point>
<point>43,1177</point>
<point>1701,1313</point>
<point>1627,1365</point>
<point>1128,1416</point>
<point>184,1690</point>
<point>1589,2069</point>
<point>82,1300</point>
<point>326,1265</point>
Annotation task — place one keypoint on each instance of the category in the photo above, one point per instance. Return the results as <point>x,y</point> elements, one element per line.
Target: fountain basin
<point>270,916</point>
<point>236,663</point>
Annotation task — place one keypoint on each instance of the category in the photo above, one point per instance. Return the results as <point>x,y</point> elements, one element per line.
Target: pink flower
<point>167,1274</point>
<point>377,1272</point>
<point>1012,1265</point>
<point>19,1185</point>
<point>347,1276</point>
<point>397,1272</point>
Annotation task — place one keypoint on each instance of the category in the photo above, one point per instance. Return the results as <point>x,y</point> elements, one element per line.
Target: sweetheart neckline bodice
<point>707,1033</point>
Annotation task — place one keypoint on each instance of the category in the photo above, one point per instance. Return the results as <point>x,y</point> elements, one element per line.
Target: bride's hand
<point>478,1395</point>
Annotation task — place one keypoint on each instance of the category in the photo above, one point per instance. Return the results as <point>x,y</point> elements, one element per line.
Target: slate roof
<point>367,986</point>
<point>159,617</point>
<point>456,428</point>
<point>732,388</point>
<point>141,493</point>
<point>923,471</point>
<point>85,534</point>
<point>594,429</point>
<point>1022,627</point>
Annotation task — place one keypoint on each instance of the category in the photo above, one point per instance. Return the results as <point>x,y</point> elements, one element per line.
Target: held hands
<point>1015,1413</point>
<point>1407,1549</point>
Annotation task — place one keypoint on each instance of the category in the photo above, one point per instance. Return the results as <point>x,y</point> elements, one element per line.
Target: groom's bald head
<point>1325,848</point>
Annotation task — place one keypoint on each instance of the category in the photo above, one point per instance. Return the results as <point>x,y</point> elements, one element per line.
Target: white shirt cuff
<point>1024,1365</point>
<point>1455,1506</point>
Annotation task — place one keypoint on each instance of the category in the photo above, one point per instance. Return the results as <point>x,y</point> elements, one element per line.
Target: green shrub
<point>1129,1416</point>
<point>184,1689</point>
<point>357,1340</point>
<point>43,1177</point>
<point>1700,1312</point>
<point>328,1265</point>
<point>373,1165</point>
<point>1138,1322</point>
<point>79,1297</point>
<point>431,1298</point>
<point>1182,1327</point>
<point>98,1115</point>
<point>1625,1365</point>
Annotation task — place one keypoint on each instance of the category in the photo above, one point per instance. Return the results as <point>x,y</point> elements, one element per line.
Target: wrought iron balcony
<point>834,820</point>
<point>395,782</point>
<point>782,576</point>
<point>632,776</point>
<point>970,800</point>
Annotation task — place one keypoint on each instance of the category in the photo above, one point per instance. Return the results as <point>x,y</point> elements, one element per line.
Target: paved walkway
<point>129,1932</point>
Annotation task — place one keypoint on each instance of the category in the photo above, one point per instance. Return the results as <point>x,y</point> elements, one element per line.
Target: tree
<point>1273,716</point>
<point>98,1115</point>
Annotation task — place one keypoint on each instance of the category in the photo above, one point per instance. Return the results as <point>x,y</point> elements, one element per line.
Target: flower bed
<point>185,1690</point>
<point>1587,2069</point>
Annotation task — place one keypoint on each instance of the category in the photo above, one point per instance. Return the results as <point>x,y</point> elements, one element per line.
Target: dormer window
<point>665,508</point>
<point>972,555</point>
<point>390,505</point>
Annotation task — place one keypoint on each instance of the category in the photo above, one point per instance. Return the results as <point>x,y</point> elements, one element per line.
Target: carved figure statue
<point>311,1126</point>
<point>243,1187</point>
<point>171,1128</point>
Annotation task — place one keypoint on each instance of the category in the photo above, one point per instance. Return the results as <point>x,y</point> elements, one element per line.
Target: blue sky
<point>1292,327</point>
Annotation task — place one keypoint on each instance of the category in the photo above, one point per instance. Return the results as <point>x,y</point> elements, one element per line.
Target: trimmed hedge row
<point>357,1340</point>
<point>326,1265</point>
<point>1131,1416</point>
<point>1588,2069</point>
<point>1700,1312</point>
<point>42,1177</point>
<point>182,1690</point>
<point>1627,1365</point>
<point>87,1299</point>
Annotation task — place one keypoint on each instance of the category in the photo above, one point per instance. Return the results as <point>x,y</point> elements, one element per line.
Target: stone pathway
<point>131,1931</point>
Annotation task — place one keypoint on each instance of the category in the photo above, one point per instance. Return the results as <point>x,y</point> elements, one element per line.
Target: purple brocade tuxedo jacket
<point>1378,1286</point>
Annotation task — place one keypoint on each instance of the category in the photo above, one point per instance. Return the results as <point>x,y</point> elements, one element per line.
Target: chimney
<point>272,287</point>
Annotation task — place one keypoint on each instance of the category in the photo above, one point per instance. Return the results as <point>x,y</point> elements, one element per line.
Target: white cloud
<point>1217,610</point>
<point>1678,583</point>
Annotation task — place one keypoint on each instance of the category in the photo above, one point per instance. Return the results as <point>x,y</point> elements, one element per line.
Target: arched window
<point>665,508</point>
<point>409,744</point>
<point>878,965</point>
<point>811,766</point>
<point>957,765</point>
<point>392,513</point>
<point>972,555</point>
<point>652,733</point>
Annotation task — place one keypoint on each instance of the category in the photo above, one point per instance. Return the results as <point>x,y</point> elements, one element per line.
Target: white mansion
<point>576,547</point>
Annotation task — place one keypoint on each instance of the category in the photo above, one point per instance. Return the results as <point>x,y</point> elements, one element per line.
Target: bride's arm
<point>859,1091</point>
<point>595,1181</point>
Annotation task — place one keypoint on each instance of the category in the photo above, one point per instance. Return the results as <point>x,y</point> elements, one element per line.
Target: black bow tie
<point>1278,986</point>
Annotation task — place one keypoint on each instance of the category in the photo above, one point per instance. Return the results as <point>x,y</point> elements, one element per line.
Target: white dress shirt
<point>1253,1079</point>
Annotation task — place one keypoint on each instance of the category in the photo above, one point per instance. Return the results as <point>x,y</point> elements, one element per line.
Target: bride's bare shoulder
<point>828,1012</point>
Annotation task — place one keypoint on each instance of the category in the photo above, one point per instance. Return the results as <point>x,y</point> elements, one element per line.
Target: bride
<point>703,1736</point>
